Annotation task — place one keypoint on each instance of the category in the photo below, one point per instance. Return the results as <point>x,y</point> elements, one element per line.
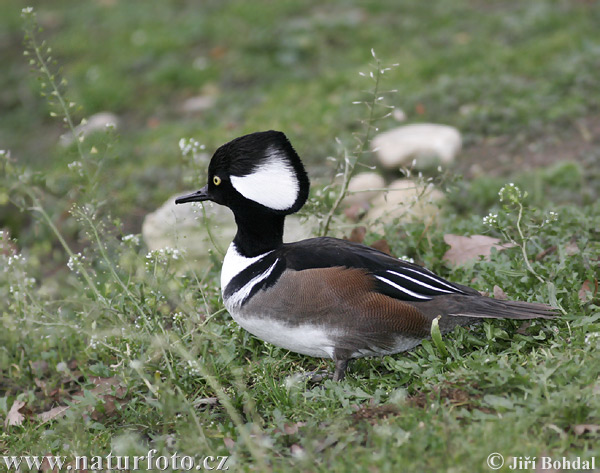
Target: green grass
<point>138,345</point>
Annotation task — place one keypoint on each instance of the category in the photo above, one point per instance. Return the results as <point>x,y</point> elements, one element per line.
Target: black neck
<point>258,233</point>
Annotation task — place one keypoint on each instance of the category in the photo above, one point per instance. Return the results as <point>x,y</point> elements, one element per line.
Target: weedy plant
<point>135,347</point>
<point>377,110</point>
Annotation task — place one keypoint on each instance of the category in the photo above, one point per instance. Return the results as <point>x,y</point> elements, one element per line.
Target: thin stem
<point>350,163</point>
<point>110,265</point>
<point>209,232</point>
<point>55,90</point>
<point>37,206</point>
<point>523,245</point>
<point>234,415</point>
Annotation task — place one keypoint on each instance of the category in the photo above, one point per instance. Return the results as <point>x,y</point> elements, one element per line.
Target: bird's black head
<point>260,171</point>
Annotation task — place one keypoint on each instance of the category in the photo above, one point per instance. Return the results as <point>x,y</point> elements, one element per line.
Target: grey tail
<point>498,309</point>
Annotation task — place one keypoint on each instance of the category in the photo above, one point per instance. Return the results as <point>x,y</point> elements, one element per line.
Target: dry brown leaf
<point>588,286</point>
<point>464,249</point>
<point>206,402</point>
<point>296,450</point>
<point>39,368</point>
<point>106,385</point>
<point>110,391</point>
<point>14,416</point>
<point>358,234</point>
<point>229,443</point>
<point>500,294</point>
<point>356,212</point>
<point>585,288</point>
<point>581,429</point>
<point>382,245</point>
<point>523,328</point>
<point>40,384</point>
<point>542,254</point>
<point>52,413</point>
<point>218,52</point>
<point>571,248</point>
<point>109,408</point>
<point>291,429</point>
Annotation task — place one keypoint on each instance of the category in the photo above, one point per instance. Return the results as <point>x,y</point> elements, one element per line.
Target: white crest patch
<point>273,184</point>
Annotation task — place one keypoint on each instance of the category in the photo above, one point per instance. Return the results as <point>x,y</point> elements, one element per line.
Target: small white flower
<point>193,368</point>
<point>27,10</point>
<point>15,259</point>
<point>552,217</point>
<point>190,147</point>
<point>490,219</point>
<point>75,261</point>
<point>591,337</point>
<point>510,193</point>
<point>163,255</point>
<point>76,166</point>
<point>132,239</point>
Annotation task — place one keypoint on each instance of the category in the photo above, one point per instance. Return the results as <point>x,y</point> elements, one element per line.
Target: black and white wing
<point>394,277</point>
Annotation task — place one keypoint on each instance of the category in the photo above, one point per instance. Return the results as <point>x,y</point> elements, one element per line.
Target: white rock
<point>399,115</point>
<point>399,146</point>
<point>183,227</point>
<point>364,187</point>
<point>405,201</point>
<point>97,122</point>
<point>199,103</point>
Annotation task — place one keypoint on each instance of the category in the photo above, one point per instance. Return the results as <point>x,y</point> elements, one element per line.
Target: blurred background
<point>518,79</point>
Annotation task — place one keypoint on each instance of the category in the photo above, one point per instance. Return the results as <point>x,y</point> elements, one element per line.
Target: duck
<point>324,297</point>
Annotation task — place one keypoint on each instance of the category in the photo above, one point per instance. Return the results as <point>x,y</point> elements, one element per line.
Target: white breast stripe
<point>234,263</point>
<point>238,297</point>
<point>403,289</point>
<point>273,184</point>
<point>420,283</point>
<point>436,279</point>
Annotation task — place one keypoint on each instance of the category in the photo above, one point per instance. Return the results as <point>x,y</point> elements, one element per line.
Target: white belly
<point>305,339</point>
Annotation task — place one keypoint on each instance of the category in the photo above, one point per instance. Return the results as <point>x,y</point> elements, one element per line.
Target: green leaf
<point>436,336</point>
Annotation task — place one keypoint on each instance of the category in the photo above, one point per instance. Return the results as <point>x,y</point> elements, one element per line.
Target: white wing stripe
<point>403,289</point>
<point>420,283</point>
<point>433,278</point>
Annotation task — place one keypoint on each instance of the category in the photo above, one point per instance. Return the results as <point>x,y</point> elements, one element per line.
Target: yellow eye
<point>216,180</point>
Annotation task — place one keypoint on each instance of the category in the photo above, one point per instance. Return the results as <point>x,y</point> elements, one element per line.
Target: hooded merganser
<point>324,297</point>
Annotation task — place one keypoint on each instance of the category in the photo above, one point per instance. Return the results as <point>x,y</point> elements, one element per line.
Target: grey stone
<point>198,104</point>
<point>95,123</point>
<point>405,201</point>
<point>364,187</point>
<point>427,143</point>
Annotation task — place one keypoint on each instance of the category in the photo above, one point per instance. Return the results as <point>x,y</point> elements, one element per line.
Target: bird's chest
<point>264,316</point>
